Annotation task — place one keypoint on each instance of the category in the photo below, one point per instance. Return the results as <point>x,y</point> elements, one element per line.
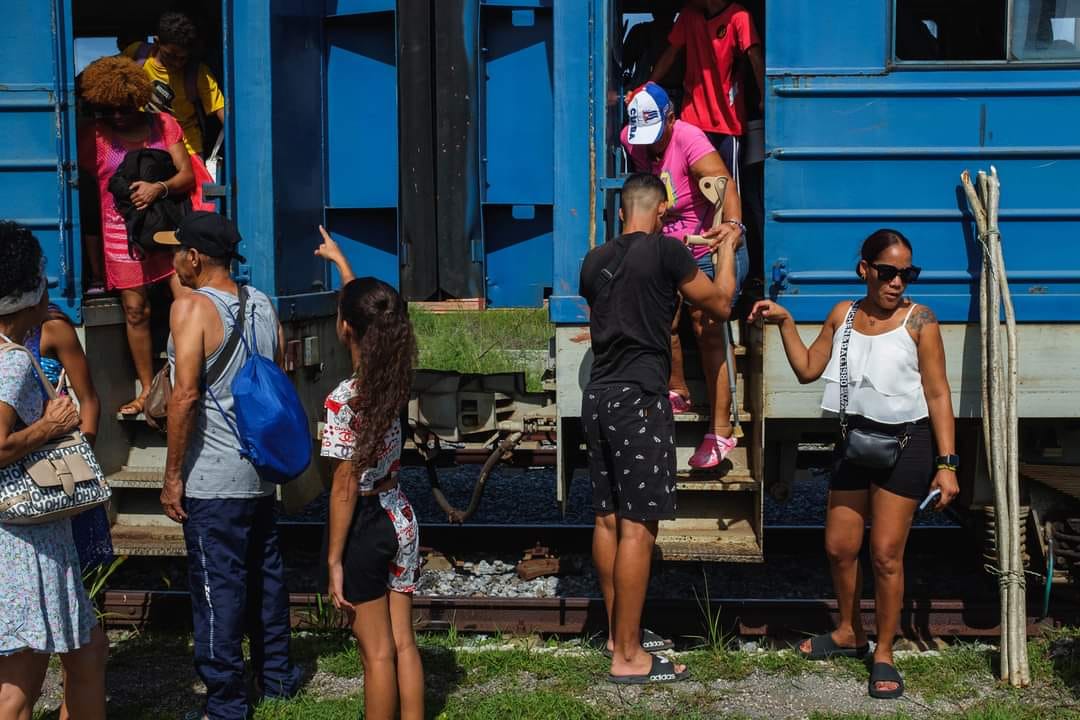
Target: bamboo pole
<point>988,327</point>
<point>1020,670</point>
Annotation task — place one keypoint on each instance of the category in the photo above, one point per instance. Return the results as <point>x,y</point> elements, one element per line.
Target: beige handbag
<point>59,479</point>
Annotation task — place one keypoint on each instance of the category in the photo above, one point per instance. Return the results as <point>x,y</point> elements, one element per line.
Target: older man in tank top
<point>234,564</point>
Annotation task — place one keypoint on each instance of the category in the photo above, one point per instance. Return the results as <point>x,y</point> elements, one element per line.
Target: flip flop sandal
<point>650,642</point>
<point>662,671</point>
<point>884,672</point>
<point>823,647</point>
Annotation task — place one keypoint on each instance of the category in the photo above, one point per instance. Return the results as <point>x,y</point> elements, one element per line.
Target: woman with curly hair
<point>373,548</point>
<point>117,90</point>
<point>44,608</point>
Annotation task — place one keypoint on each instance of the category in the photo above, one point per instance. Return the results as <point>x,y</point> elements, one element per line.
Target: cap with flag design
<point>648,111</point>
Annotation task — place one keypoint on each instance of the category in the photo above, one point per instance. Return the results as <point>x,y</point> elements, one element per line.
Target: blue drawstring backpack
<point>271,425</point>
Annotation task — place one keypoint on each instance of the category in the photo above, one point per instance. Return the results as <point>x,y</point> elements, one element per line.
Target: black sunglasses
<point>886,273</point>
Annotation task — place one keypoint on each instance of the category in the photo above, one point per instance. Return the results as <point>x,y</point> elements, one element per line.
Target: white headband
<point>11,304</point>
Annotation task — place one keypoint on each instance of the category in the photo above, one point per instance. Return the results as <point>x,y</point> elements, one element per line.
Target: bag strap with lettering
<point>845,340</point>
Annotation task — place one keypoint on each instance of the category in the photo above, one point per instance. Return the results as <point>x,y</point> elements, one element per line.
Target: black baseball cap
<point>208,232</point>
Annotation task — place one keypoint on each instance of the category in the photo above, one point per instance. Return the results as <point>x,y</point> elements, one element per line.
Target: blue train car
<point>467,149</point>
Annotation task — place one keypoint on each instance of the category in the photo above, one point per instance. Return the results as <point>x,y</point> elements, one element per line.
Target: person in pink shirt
<point>680,154</point>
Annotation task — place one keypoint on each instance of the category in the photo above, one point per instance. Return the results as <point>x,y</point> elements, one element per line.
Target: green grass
<point>482,342</point>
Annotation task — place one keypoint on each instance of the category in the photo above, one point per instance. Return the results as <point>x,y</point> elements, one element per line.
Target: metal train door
<point>38,171</point>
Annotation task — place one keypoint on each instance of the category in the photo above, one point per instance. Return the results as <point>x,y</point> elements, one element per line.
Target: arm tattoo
<point>922,316</point>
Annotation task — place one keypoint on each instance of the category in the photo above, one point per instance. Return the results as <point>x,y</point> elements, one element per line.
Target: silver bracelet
<point>164,187</point>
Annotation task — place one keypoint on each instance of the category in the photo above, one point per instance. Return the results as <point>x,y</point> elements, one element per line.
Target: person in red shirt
<point>715,35</point>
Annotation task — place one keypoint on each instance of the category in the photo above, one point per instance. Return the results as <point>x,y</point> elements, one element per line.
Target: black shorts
<point>382,549</point>
<point>630,435</point>
<point>910,477</point>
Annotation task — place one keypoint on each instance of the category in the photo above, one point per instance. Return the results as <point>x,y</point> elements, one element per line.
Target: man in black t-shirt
<point>632,285</point>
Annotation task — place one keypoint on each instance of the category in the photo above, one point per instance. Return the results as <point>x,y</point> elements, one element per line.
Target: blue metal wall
<point>856,143</point>
<point>38,173</point>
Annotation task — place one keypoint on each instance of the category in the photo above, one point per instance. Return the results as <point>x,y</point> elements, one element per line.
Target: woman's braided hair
<point>379,319</point>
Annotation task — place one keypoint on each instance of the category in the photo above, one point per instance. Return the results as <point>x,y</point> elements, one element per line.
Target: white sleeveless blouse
<point>883,375</point>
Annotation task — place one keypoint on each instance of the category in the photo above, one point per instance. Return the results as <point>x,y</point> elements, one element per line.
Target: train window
<point>957,31</point>
<point>1046,29</point>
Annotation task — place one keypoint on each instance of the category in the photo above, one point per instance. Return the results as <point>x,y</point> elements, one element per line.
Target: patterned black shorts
<point>630,435</point>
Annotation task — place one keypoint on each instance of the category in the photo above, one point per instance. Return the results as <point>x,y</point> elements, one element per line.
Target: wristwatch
<point>947,462</point>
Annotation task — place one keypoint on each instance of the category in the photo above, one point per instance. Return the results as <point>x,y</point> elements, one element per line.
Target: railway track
<point>494,539</point>
<point>921,619</point>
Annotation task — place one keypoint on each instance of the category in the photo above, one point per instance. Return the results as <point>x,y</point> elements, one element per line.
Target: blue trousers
<point>237,581</point>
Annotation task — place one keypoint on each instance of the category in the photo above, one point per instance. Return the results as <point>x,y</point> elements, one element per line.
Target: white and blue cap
<point>648,111</point>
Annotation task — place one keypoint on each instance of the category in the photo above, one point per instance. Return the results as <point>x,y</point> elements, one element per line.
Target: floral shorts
<point>382,550</point>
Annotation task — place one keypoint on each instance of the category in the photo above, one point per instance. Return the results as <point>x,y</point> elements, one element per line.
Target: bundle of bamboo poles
<point>1000,429</point>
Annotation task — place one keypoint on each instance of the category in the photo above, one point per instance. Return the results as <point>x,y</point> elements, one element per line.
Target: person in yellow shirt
<point>179,79</point>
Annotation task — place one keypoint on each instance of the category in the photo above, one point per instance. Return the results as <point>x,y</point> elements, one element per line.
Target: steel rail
<point>921,618</point>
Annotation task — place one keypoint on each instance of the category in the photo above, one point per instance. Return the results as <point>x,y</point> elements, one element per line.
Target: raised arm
<point>926,331</point>
<point>330,251</point>
<point>807,362</point>
<point>664,63</point>
<point>715,296</point>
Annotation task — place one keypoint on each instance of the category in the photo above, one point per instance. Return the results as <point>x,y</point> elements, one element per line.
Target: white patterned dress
<point>43,604</point>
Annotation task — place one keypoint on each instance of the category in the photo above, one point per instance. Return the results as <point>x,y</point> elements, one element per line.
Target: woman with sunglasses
<point>117,89</point>
<point>893,384</point>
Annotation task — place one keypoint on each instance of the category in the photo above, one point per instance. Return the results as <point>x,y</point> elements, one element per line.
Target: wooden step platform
<point>141,540</point>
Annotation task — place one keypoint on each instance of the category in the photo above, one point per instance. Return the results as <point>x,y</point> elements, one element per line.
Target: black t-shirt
<point>630,317</point>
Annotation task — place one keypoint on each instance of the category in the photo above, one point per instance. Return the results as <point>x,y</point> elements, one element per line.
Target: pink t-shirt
<point>689,212</point>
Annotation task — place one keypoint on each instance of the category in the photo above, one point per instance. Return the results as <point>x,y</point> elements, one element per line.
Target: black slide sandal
<point>884,672</point>
<point>662,671</point>
<point>823,647</point>
<point>650,642</point>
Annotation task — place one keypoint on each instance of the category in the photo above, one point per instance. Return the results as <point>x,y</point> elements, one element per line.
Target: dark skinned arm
<point>714,296</point>
<point>926,331</point>
<point>343,496</point>
<point>144,193</point>
<point>60,418</point>
<point>757,63</point>
<point>187,319</point>
<point>664,63</point>
<point>58,339</point>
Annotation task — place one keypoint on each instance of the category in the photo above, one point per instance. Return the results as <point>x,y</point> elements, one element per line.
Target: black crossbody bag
<point>862,446</point>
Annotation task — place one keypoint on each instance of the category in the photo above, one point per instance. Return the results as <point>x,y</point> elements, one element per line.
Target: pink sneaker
<point>712,451</point>
<point>679,404</point>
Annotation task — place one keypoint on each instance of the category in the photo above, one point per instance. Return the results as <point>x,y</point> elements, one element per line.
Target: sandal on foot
<point>650,642</point>
<point>823,647</point>
<point>134,407</point>
<point>662,671</point>
<point>712,451</point>
<point>884,672</point>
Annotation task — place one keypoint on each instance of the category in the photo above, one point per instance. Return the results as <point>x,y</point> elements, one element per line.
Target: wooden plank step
<point>143,478</point>
<point>740,546</point>
<point>145,540</point>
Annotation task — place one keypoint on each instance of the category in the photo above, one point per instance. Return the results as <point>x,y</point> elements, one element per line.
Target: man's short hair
<point>176,28</point>
<point>642,192</point>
